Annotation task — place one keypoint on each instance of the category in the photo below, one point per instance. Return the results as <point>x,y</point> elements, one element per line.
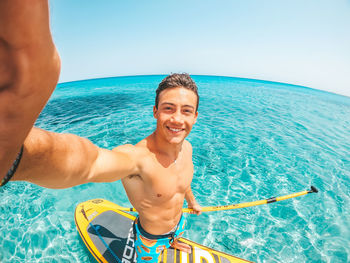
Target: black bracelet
<point>13,168</point>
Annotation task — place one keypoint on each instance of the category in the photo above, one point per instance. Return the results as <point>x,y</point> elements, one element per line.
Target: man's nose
<point>177,117</point>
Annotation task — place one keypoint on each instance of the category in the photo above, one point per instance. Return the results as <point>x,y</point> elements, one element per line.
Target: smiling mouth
<point>175,130</point>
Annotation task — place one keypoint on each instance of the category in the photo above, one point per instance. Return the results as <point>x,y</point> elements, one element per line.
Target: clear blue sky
<point>304,42</point>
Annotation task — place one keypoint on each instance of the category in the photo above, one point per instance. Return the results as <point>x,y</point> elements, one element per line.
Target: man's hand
<point>197,209</point>
<point>181,246</point>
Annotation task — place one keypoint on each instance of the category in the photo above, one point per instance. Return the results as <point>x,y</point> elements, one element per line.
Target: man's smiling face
<point>176,114</point>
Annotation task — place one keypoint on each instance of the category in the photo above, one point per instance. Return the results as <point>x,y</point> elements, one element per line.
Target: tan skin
<point>155,184</point>
<point>29,70</point>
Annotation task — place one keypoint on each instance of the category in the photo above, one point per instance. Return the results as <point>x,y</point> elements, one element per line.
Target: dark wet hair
<point>177,80</point>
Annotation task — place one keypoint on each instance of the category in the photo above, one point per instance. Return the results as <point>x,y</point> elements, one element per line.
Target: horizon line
<point>204,75</point>
<point>200,75</point>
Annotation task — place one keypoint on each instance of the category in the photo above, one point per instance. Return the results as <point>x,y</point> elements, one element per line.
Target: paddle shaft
<point>242,205</point>
<point>254,203</point>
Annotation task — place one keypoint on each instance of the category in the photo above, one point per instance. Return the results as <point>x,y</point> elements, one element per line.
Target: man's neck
<point>170,150</point>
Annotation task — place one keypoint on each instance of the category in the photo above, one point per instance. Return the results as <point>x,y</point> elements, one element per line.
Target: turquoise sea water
<point>253,140</point>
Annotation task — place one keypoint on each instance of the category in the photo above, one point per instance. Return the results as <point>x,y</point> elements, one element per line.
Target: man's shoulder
<point>136,150</point>
<point>187,145</point>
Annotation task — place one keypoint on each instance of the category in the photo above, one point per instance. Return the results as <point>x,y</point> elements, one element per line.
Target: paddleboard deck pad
<point>108,234</point>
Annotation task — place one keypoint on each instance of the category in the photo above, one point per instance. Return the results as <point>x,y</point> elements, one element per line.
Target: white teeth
<point>175,130</point>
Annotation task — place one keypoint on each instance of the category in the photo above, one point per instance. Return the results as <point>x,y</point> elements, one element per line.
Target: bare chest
<point>159,185</point>
<point>168,182</point>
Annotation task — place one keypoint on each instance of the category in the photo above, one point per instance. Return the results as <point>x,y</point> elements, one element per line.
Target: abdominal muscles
<point>159,202</point>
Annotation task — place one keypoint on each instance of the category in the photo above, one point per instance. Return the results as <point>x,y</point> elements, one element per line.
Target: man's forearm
<point>192,203</point>
<point>54,160</point>
<point>29,70</point>
<point>190,197</point>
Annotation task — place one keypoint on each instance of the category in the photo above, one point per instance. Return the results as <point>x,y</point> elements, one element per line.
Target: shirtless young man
<point>156,173</point>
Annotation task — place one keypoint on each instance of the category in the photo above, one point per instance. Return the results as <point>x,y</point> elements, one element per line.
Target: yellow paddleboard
<point>108,234</point>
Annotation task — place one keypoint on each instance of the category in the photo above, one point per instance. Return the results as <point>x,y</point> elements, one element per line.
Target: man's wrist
<point>13,169</point>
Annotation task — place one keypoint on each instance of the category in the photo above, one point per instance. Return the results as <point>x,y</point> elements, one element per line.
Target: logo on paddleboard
<point>129,252</point>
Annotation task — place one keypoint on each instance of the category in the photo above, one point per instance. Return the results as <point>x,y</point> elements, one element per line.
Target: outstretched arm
<point>29,70</point>
<point>55,160</point>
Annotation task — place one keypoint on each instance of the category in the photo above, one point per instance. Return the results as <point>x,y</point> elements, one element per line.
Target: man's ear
<point>155,110</point>
<point>195,117</point>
